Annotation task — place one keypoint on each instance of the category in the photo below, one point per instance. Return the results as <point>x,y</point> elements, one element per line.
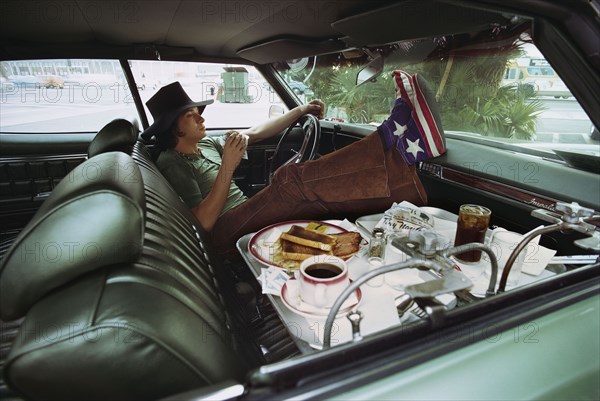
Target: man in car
<point>364,177</point>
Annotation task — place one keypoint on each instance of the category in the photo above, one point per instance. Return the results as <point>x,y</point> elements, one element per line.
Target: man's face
<point>191,123</point>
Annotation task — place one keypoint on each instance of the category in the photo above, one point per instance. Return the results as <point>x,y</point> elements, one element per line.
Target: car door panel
<point>31,165</point>
<point>44,143</point>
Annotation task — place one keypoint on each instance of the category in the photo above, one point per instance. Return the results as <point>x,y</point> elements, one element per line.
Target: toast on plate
<point>302,236</point>
<point>345,246</point>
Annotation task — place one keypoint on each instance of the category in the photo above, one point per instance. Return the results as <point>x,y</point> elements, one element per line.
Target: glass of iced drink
<point>472,224</point>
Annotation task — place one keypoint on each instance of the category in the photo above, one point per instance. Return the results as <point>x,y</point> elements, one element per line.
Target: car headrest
<point>94,218</point>
<point>117,135</point>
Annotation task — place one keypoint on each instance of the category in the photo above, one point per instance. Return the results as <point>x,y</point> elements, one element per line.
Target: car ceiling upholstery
<point>256,31</point>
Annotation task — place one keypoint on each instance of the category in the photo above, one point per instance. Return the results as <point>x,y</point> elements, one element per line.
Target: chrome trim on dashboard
<point>494,187</point>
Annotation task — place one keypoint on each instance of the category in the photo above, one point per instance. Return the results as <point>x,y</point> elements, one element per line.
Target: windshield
<point>494,85</point>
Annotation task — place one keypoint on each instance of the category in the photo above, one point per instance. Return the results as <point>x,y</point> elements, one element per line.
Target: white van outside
<point>537,73</point>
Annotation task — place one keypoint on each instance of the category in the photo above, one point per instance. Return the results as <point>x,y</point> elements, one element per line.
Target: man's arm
<point>207,212</point>
<point>276,125</point>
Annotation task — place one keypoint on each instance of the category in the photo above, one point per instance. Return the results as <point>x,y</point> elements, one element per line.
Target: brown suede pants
<point>358,179</point>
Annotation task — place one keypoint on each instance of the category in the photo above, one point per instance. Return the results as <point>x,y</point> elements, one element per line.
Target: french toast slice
<point>347,244</point>
<point>302,236</point>
<point>294,251</point>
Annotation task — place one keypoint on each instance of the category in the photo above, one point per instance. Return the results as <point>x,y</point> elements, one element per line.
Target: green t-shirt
<point>193,177</point>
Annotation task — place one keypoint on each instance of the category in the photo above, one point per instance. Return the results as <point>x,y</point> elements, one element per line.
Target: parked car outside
<point>52,81</point>
<point>111,289</point>
<point>300,88</point>
<point>536,73</point>
<point>44,81</point>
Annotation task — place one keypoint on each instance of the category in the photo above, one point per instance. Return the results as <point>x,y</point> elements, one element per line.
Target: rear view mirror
<point>275,111</point>
<point>370,71</point>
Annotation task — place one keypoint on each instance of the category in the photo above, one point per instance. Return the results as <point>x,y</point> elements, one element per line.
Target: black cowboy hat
<point>166,105</point>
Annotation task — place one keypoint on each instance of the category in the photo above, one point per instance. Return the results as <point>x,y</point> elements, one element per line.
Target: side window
<point>68,95</point>
<point>242,97</point>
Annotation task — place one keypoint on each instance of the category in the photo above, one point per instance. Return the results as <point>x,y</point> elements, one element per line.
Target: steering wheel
<point>285,154</point>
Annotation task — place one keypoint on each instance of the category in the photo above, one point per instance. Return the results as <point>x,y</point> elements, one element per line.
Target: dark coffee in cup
<point>323,270</point>
<point>322,279</point>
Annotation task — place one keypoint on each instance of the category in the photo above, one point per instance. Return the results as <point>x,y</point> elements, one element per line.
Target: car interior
<point>111,289</point>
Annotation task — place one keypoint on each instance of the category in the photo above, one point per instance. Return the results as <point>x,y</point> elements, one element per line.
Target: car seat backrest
<point>134,308</point>
<point>69,235</point>
<point>118,135</point>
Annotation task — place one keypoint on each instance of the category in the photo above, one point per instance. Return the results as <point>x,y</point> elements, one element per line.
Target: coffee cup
<point>503,243</point>
<point>322,279</point>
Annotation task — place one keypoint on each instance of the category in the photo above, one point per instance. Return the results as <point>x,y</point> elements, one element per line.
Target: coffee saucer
<point>290,295</point>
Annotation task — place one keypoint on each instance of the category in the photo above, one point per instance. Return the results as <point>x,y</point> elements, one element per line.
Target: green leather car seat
<point>120,295</point>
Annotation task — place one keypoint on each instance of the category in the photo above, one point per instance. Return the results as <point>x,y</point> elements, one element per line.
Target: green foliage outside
<point>471,99</point>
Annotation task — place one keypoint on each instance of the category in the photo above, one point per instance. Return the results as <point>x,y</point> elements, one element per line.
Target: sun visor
<point>413,20</point>
<point>287,49</point>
